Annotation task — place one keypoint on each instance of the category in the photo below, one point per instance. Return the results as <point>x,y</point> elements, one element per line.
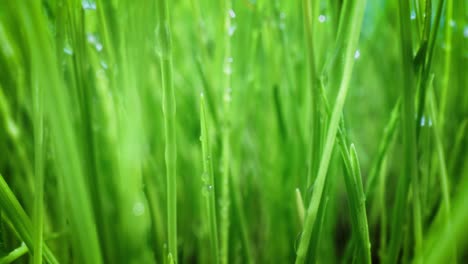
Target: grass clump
<point>306,132</point>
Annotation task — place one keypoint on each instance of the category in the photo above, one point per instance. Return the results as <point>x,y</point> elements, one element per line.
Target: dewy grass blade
<point>409,144</point>
<point>356,13</point>
<point>169,112</point>
<point>228,15</point>
<point>208,183</point>
<point>58,110</point>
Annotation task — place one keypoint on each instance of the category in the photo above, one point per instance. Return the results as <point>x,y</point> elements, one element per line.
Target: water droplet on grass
<point>68,51</point>
<point>91,38</point>
<point>227,66</point>
<point>98,46</point>
<point>425,122</point>
<point>413,15</point>
<point>104,65</point>
<point>12,129</point>
<point>207,190</point>
<point>232,14</point>
<point>322,18</point>
<point>357,54</point>
<point>138,209</point>
<point>465,32</point>
<point>452,23</point>
<point>88,5</point>
<point>227,95</point>
<point>231,30</point>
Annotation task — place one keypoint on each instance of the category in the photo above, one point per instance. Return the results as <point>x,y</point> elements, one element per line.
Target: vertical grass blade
<point>208,183</point>
<point>356,12</point>
<point>169,112</point>
<point>38,218</point>
<point>409,144</point>
<point>363,228</point>
<point>228,15</point>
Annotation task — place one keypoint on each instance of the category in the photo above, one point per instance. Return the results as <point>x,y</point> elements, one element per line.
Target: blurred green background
<point>83,142</point>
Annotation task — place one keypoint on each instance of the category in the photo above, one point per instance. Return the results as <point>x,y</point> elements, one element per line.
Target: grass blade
<point>169,112</point>
<point>355,15</point>
<point>15,214</point>
<point>208,183</point>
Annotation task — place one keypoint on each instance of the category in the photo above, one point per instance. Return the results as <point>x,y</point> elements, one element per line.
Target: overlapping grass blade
<point>355,15</point>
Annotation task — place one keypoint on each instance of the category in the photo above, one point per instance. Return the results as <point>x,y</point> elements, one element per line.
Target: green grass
<point>233,131</point>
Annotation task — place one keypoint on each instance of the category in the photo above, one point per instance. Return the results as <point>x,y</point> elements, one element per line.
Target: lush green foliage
<point>229,131</point>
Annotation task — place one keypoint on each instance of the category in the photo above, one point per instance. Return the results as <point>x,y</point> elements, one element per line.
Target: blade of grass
<point>361,207</point>
<point>169,112</point>
<point>443,174</point>
<point>441,238</point>
<point>384,145</point>
<point>208,183</point>
<point>447,62</point>
<point>409,144</point>
<point>354,189</point>
<point>315,135</point>
<point>228,15</point>
<point>355,16</point>
<point>19,220</point>
<point>38,219</point>
<point>15,254</point>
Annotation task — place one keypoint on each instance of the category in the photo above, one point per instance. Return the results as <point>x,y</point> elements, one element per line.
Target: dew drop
<point>282,26</point>
<point>68,51</point>
<point>138,209</point>
<point>227,67</point>
<point>357,54</point>
<point>98,46</point>
<point>91,38</point>
<point>322,18</point>
<point>88,5</point>
<point>465,32</point>
<point>231,30</point>
<point>232,14</point>
<point>12,129</point>
<point>227,95</point>
<point>452,23</point>
<point>104,65</point>
<point>425,121</point>
<point>413,15</point>
<point>207,190</point>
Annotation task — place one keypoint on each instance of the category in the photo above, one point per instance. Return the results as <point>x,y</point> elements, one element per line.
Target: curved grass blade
<point>19,220</point>
<point>351,38</point>
<point>15,254</point>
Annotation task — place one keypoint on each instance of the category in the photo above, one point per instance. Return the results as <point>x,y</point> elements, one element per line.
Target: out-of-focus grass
<point>264,167</point>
